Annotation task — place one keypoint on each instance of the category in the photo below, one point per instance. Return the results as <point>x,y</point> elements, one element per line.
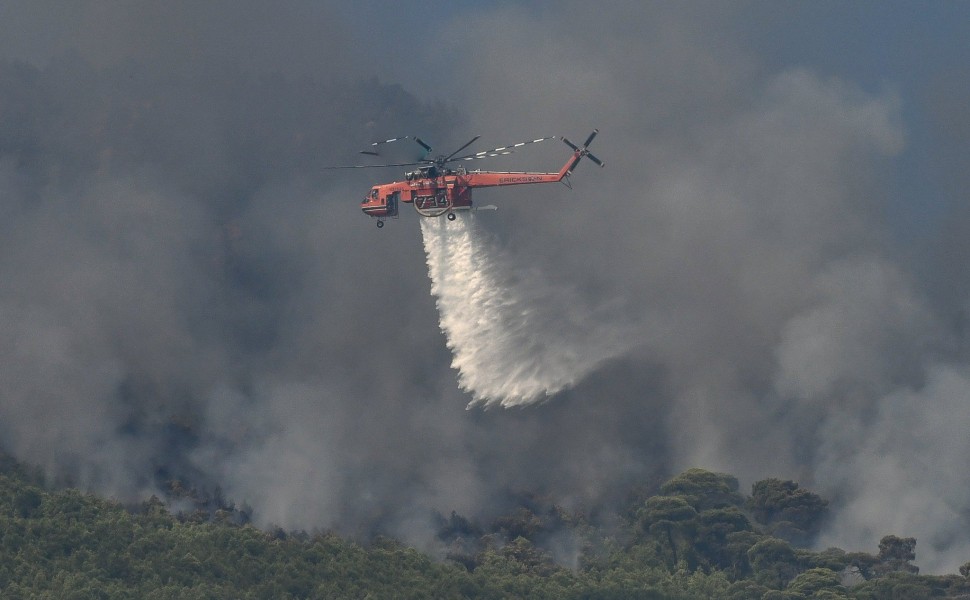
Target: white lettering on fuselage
<point>521,179</point>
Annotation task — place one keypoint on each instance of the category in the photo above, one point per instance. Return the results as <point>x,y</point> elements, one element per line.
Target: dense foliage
<point>698,537</point>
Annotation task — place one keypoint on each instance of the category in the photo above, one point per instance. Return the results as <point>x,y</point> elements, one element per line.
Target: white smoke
<point>902,468</point>
<point>516,337</point>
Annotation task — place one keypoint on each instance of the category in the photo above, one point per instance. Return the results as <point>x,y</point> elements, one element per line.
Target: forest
<point>694,536</point>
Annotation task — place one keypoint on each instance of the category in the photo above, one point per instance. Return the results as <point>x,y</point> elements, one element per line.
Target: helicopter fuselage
<point>435,189</point>
<point>435,193</point>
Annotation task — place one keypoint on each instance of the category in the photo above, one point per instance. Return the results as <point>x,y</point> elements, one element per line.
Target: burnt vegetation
<point>696,536</point>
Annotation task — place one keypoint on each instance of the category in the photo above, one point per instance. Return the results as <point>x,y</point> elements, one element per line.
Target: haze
<point>776,249</point>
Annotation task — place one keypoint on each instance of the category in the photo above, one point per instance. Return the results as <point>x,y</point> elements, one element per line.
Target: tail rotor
<point>583,151</point>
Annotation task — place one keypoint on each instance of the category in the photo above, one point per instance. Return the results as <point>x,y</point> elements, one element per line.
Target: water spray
<point>515,337</point>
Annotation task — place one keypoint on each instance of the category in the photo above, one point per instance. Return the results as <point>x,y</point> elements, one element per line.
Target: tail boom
<point>493,179</point>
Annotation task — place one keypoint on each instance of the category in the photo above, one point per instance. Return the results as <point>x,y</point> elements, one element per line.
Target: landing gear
<point>452,216</point>
<point>380,224</point>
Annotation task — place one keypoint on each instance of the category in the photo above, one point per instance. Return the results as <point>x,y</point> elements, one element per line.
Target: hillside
<point>698,537</point>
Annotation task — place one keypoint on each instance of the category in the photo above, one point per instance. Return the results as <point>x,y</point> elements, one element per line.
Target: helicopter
<point>437,188</point>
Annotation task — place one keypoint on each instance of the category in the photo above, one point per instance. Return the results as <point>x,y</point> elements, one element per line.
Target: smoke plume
<point>186,294</point>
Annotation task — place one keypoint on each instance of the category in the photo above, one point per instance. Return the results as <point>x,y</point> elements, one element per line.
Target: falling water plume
<point>516,338</point>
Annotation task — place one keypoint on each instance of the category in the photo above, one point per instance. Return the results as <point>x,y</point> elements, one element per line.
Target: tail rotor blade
<point>581,151</point>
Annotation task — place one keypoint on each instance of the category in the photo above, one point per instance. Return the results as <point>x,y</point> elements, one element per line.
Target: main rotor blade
<point>449,157</point>
<point>502,150</point>
<point>421,143</point>
<point>407,164</point>
<point>417,140</point>
<point>481,155</point>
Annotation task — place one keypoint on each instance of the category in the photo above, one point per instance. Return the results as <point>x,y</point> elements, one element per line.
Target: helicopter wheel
<point>452,216</point>
<point>380,224</point>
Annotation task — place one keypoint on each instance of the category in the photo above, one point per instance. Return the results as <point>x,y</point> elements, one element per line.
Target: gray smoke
<point>184,293</point>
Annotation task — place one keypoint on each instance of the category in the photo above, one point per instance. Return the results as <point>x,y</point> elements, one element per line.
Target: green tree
<point>834,559</point>
<point>863,563</point>
<point>522,523</point>
<point>787,511</point>
<point>704,489</point>
<point>26,503</point>
<point>773,562</point>
<point>717,540</point>
<point>895,554</point>
<point>812,581</point>
<point>670,521</point>
<point>735,552</point>
<point>895,586</point>
<point>745,590</point>
<point>525,553</point>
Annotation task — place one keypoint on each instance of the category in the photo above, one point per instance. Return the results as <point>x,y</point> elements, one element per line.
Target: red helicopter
<point>436,189</point>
